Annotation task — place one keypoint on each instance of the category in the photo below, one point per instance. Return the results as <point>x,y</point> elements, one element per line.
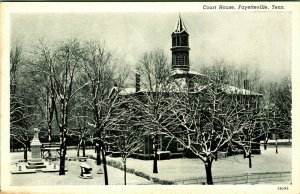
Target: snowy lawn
<point>173,169</point>
<point>184,168</point>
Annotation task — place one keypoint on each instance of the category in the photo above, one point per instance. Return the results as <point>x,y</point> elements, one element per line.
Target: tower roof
<point>180,27</point>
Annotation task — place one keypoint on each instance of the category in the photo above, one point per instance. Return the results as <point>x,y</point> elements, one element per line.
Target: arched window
<point>173,60</point>
<point>178,59</point>
<point>184,59</point>
<point>187,60</point>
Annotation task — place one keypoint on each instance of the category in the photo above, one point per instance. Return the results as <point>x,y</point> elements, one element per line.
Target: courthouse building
<point>187,80</point>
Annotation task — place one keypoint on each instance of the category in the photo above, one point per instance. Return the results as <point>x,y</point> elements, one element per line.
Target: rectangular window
<point>179,146</point>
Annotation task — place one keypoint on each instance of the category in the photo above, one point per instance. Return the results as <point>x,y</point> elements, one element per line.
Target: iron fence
<point>247,178</point>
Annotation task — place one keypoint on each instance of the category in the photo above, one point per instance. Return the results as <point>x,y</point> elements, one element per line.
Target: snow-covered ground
<point>173,169</point>
<point>72,176</point>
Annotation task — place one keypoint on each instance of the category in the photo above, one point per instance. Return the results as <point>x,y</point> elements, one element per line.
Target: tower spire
<point>180,47</point>
<point>180,27</point>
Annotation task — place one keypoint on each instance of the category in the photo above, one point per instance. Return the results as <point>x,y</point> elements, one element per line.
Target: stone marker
<point>36,161</point>
<point>36,145</point>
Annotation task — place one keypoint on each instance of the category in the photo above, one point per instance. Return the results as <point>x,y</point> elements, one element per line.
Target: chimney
<point>246,84</point>
<point>137,82</point>
<point>191,85</point>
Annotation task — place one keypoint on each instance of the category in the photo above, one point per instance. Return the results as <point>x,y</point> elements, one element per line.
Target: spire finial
<point>179,25</point>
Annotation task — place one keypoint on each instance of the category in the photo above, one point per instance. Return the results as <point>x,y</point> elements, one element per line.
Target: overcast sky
<point>253,39</point>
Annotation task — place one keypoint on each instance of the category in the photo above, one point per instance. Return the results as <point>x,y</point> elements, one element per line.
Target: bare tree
<point>23,112</point>
<point>283,103</point>
<point>153,68</point>
<point>205,121</point>
<point>268,90</point>
<point>281,111</point>
<point>128,133</point>
<point>276,106</point>
<point>250,113</point>
<point>82,132</point>
<point>40,73</point>
<point>209,116</point>
<point>100,99</point>
<point>249,130</point>
<point>62,67</point>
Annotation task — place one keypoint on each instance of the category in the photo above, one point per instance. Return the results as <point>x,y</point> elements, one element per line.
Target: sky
<point>253,39</point>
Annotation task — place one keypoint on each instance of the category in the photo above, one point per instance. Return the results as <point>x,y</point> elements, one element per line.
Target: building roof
<point>175,86</point>
<point>180,85</point>
<point>127,91</point>
<point>180,27</point>
<point>235,90</point>
<point>177,71</point>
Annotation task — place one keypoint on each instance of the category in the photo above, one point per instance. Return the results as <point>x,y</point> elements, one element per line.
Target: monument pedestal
<point>35,166</point>
<point>36,161</point>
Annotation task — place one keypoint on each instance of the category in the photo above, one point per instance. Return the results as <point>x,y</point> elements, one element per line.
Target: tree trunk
<point>265,146</point>
<point>78,149</point>
<point>62,152</point>
<point>49,131</point>
<point>125,173</point>
<point>83,148</point>
<point>250,161</point>
<point>155,169</point>
<point>249,155</point>
<point>13,145</point>
<point>266,143</point>
<point>62,162</point>
<point>216,156</point>
<point>276,146</point>
<point>25,153</point>
<point>208,166</point>
<point>98,155</point>
<point>104,165</point>
<point>28,146</point>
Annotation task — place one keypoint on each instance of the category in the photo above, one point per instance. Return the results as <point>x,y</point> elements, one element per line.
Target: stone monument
<point>36,160</point>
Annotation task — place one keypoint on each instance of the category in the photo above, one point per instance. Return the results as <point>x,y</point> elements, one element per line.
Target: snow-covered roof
<point>181,72</point>
<point>176,85</point>
<point>180,85</point>
<point>235,90</point>
<point>127,91</point>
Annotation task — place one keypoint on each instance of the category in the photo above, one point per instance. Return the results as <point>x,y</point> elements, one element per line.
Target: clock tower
<point>180,47</point>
